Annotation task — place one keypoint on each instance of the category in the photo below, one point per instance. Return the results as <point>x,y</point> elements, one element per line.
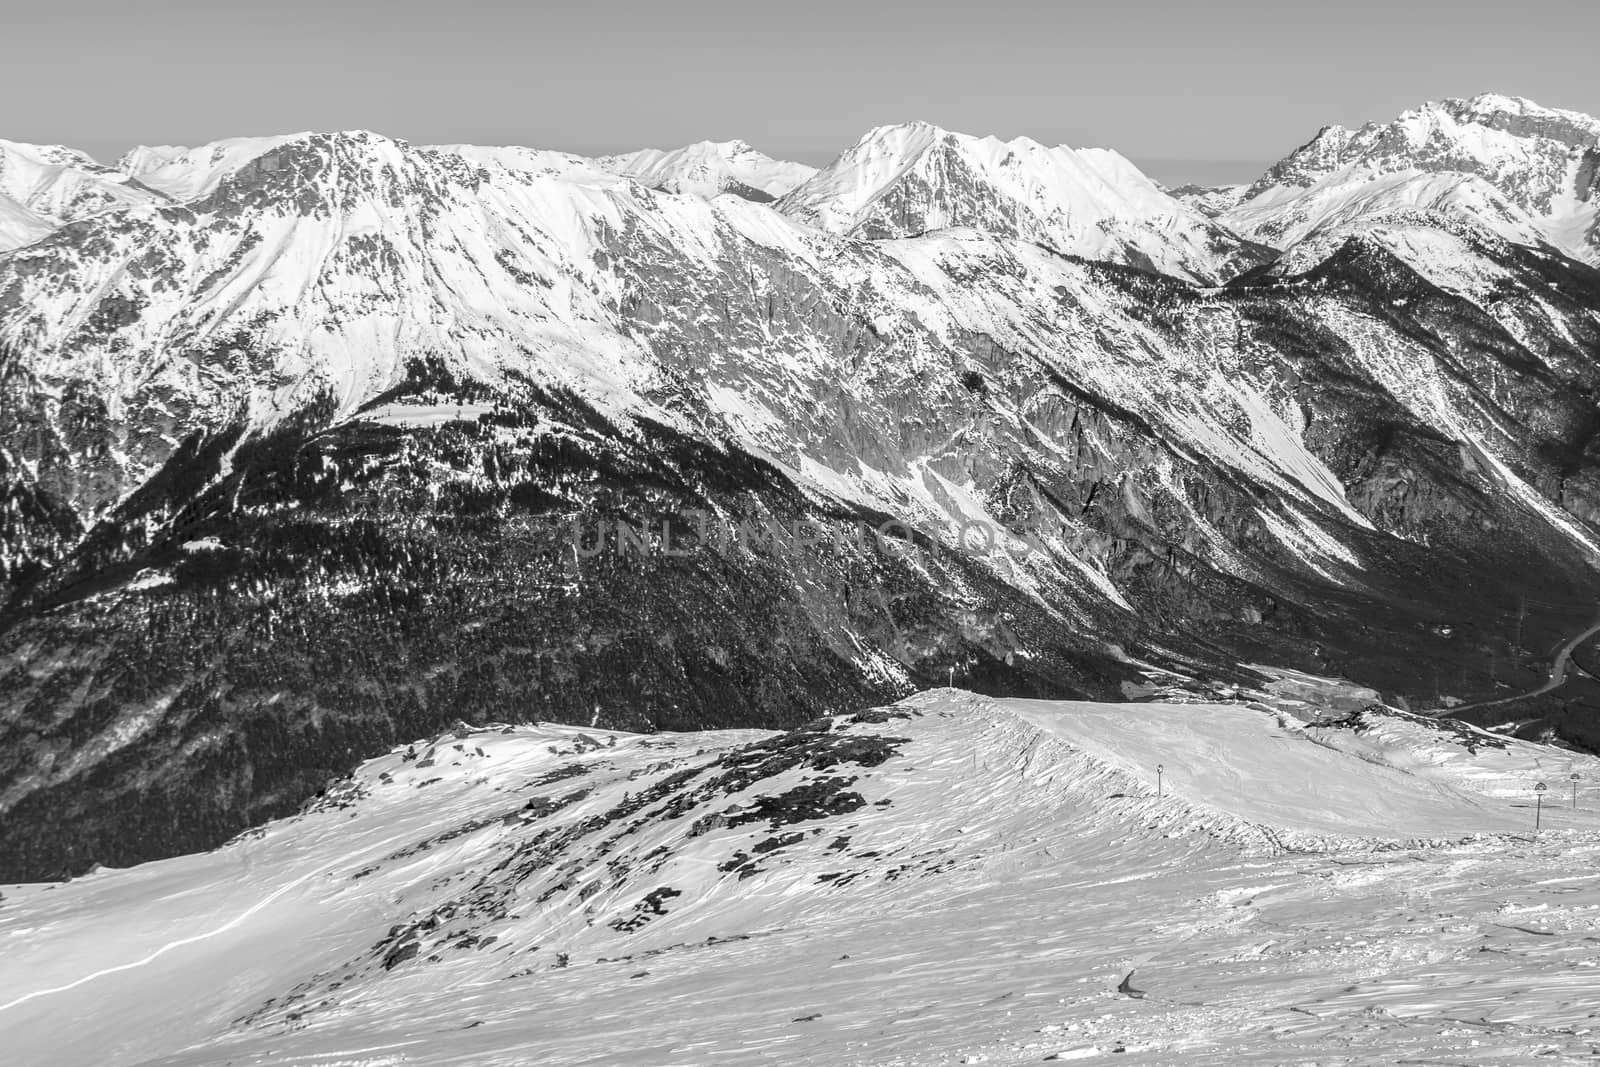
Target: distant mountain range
<point>1531,174</point>
<point>301,438</point>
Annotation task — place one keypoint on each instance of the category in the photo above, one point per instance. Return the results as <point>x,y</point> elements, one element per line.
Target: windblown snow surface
<point>953,879</point>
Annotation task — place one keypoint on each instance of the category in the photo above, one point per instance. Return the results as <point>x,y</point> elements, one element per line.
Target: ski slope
<point>954,879</point>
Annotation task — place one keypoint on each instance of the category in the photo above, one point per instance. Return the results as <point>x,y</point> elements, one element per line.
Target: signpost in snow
<point>1159,769</point>
<point>1538,803</point>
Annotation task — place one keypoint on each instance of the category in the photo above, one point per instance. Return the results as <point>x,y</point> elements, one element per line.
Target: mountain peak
<point>710,168</point>
<point>910,127</point>
<point>1528,171</point>
<point>46,154</point>
<point>1491,102</point>
<point>910,178</point>
<point>339,156</point>
<point>148,157</point>
<point>46,186</point>
<point>1521,117</point>
<point>901,138</point>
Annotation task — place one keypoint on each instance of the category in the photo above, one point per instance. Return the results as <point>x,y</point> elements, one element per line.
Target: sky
<point>1191,91</point>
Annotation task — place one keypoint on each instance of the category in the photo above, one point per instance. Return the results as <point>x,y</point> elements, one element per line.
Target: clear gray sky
<point>1191,89</point>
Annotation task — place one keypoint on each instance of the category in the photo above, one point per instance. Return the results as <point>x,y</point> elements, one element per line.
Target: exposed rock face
<point>312,452</point>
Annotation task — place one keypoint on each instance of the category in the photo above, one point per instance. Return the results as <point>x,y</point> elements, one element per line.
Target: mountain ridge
<point>330,407</point>
<point>1530,169</point>
<point>710,168</point>
<point>902,180</point>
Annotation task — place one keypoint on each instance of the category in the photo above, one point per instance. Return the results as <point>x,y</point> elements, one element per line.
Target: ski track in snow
<point>164,949</point>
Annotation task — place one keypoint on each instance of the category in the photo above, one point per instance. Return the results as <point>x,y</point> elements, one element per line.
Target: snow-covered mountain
<point>900,181</point>
<point>1531,173</point>
<point>187,173</point>
<point>1209,200</point>
<point>950,879</point>
<point>331,407</point>
<point>710,168</point>
<point>46,186</point>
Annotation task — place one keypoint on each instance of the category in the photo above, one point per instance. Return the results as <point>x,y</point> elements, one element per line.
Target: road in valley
<point>1555,680</point>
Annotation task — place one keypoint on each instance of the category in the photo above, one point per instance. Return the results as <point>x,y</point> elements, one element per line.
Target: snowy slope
<point>710,168</point>
<point>19,226</point>
<point>1209,200</point>
<point>1285,215</point>
<point>186,173</point>
<point>950,878</point>
<point>46,186</point>
<point>144,158</point>
<point>1527,171</point>
<point>1459,754</point>
<point>903,180</point>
